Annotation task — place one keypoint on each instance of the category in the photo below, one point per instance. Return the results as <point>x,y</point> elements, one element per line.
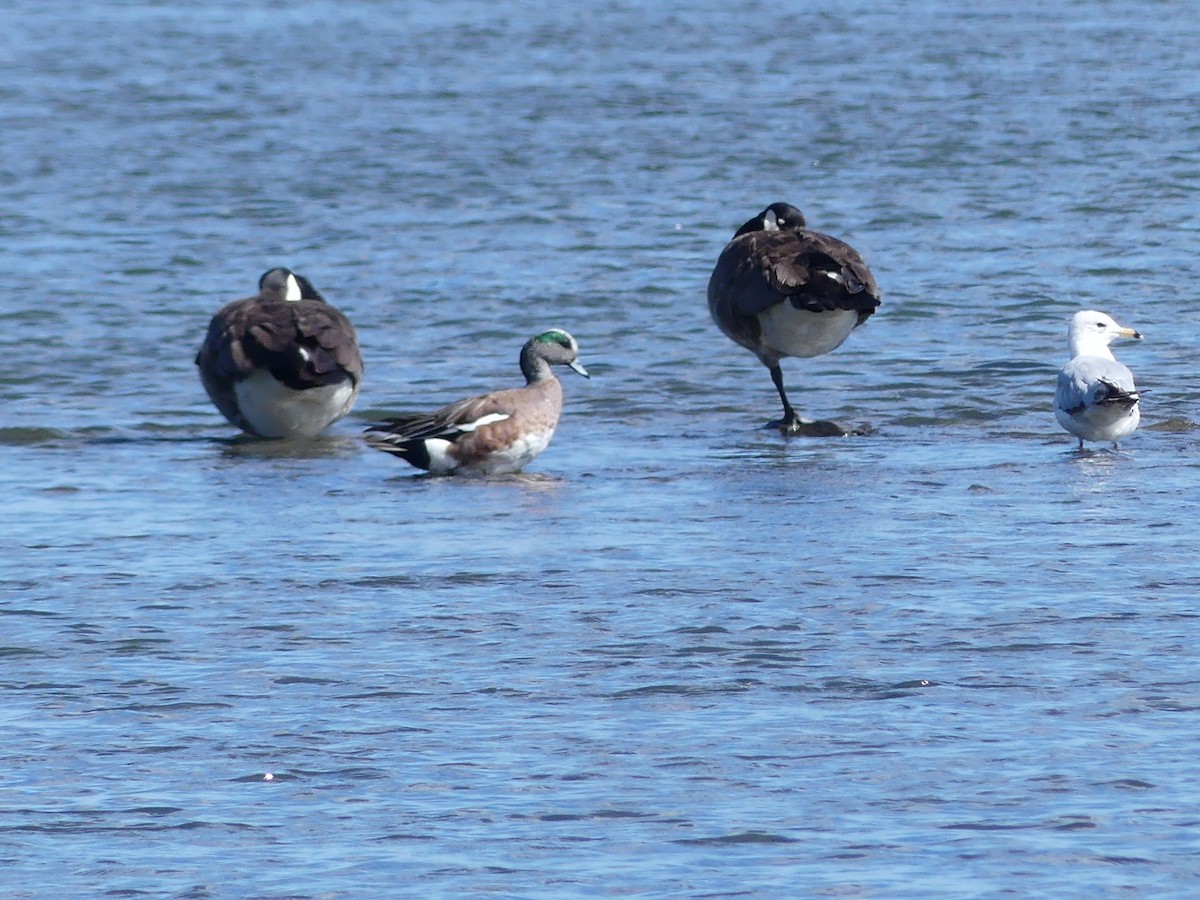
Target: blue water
<point>680,656</point>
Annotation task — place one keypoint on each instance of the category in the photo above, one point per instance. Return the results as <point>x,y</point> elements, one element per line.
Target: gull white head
<point>1091,332</point>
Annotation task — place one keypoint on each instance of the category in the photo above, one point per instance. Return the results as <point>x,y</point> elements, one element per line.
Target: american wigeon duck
<point>779,290</point>
<point>283,363</point>
<point>1095,398</point>
<point>495,433</point>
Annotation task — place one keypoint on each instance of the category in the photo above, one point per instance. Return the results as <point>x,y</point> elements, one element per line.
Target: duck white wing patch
<point>481,421</point>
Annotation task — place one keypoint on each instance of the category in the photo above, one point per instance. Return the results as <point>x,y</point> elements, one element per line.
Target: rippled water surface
<point>680,656</point>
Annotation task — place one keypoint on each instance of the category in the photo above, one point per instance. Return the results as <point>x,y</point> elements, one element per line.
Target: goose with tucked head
<point>780,289</point>
<point>283,363</point>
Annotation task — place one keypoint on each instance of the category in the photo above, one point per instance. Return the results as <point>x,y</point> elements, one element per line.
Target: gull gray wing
<point>1088,381</point>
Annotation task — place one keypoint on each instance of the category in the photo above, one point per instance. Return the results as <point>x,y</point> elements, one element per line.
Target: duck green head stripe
<point>554,336</point>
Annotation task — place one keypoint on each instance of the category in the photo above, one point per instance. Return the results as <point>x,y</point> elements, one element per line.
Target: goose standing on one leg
<point>494,433</point>
<point>779,290</point>
<point>1095,398</point>
<point>281,364</point>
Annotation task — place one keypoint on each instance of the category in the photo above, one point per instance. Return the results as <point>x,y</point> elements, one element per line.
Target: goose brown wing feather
<point>760,269</point>
<point>303,343</point>
<point>326,332</point>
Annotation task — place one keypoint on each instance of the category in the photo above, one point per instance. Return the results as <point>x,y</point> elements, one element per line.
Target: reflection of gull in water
<point>1096,399</point>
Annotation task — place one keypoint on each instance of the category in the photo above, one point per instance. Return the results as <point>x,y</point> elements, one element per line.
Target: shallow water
<point>680,656</point>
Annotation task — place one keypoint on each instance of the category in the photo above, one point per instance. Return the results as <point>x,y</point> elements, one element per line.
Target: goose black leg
<point>791,424</point>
